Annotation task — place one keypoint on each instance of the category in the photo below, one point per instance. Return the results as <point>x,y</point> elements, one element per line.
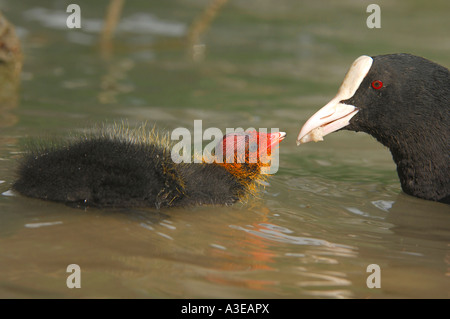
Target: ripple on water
<point>282,234</point>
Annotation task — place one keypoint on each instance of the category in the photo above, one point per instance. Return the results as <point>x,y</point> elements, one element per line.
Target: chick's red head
<point>251,147</point>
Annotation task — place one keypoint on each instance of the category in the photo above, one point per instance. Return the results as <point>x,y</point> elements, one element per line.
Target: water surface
<point>332,209</point>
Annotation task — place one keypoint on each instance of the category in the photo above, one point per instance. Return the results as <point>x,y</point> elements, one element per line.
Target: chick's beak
<point>275,138</point>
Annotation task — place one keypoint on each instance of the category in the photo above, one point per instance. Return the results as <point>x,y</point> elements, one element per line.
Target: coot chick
<point>404,102</point>
<point>123,168</point>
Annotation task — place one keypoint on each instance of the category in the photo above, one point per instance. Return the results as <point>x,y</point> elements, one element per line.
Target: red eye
<point>377,84</point>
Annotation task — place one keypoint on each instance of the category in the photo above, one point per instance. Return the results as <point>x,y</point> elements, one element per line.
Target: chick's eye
<point>377,84</point>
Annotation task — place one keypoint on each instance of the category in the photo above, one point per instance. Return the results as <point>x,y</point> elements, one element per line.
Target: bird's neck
<point>422,164</point>
<point>245,173</point>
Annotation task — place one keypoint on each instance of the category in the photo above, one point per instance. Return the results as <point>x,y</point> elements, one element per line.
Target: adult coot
<point>403,101</point>
<point>122,168</point>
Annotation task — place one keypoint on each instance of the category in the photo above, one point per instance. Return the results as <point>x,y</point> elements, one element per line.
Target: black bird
<point>125,168</point>
<point>404,102</point>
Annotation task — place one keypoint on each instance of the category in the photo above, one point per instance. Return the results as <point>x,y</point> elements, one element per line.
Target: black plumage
<point>410,115</point>
<point>404,102</point>
<point>99,172</point>
<point>124,169</point>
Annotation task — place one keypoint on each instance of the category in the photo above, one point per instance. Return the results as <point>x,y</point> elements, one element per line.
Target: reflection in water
<point>196,46</point>
<point>413,217</point>
<point>10,69</point>
<point>138,23</point>
<point>272,233</point>
<point>328,280</point>
<point>278,233</point>
<point>109,26</point>
<point>111,83</point>
<point>37,225</point>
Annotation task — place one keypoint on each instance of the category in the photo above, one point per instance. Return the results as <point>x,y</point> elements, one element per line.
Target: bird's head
<point>244,154</point>
<point>386,96</point>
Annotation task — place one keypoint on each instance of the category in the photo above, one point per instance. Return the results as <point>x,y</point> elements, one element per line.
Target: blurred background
<point>333,207</point>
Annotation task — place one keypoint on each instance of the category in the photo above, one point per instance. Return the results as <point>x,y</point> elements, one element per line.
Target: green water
<point>332,209</point>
